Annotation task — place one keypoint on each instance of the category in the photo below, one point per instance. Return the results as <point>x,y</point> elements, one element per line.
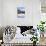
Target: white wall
<point>1,18</point>
<point>36,12</point>
<point>9,12</point>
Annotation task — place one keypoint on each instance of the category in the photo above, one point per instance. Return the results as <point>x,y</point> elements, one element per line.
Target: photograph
<point>20,12</point>
<point>22,22</point>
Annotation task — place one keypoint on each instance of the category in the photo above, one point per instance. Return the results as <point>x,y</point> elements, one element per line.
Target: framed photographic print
<point>20,12</point>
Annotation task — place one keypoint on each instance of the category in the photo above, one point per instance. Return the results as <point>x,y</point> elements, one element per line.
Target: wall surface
<point>8,12</point>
